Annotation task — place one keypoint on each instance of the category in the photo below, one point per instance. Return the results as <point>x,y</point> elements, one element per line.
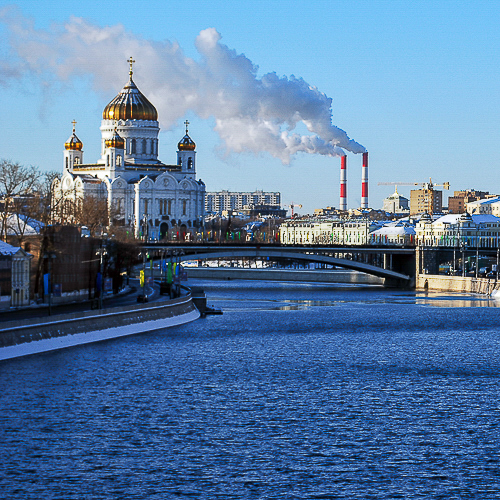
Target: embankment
<point>461,284</point>
<point>20,338</point>
<point>271,274</point>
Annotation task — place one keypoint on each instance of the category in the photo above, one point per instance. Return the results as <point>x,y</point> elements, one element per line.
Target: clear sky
<point>415,82</point>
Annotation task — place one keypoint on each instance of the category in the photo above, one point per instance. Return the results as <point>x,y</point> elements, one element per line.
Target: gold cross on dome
<point>186,123</point>
<point>74,123</point>
<point>130,61</point>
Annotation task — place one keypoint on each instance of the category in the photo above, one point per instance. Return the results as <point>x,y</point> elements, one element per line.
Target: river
<point>298,391</point>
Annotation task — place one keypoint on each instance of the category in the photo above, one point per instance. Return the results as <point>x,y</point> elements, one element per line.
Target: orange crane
<point>293,206</point>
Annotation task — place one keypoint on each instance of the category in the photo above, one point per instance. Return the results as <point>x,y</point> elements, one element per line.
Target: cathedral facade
<point>153,199</point>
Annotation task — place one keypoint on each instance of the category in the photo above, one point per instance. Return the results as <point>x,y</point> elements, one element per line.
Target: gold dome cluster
<point>73,143</point>
<point>186,143</point>
<point>130,104</point>
<point>115,142</point>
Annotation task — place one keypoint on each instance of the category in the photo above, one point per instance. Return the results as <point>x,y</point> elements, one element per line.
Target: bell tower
<point>186,155</point>
<point>73,154</point>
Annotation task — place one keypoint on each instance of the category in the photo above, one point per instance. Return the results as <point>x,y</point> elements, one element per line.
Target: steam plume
<point>251,114</point>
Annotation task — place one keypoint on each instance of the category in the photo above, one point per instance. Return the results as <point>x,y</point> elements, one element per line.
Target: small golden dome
<point>73,142</point>
<point>186,143</point>
<point>130,104</point>
<point>115,142</point>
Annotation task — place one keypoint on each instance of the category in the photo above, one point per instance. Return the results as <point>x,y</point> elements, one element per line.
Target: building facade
<point>333,232</point>
<point>426,200</point>
<point>155,200</point>
<point>488,206</point>
<point>459,200</point>
<point>396,204</point>
<point>216,202</point>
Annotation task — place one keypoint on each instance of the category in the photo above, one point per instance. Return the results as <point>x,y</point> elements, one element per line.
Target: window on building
<point>133,147</point>
<point>169,207</point>
<point>143,147</point>
<point>146,206</point>
<point>184,207</point>
<point>190,162</point>
<point>118,160</point>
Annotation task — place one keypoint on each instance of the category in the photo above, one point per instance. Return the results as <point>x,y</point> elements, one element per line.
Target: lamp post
<point>143,277</point>
<point>49,256</point>
<point>101,253</point>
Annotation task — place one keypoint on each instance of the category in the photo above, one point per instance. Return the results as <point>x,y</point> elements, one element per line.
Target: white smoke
<point>251,114</point>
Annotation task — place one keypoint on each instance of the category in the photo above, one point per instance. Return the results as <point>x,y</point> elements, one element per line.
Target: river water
<point>298,391</point>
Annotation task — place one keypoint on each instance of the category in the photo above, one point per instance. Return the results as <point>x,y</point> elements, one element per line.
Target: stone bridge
<point>395,264</point>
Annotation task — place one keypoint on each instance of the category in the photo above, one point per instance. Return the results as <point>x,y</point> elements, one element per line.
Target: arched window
<point>190,162</point>
<point>67,162</point>
<point>107,160</point>
<point>76,161</point>
<point>132,147</point>
<point>143,147</point>
<point>118,160</point>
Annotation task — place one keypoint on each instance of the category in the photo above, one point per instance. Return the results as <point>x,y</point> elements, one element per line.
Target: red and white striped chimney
<point>343,182</point>
<point>364,181</point>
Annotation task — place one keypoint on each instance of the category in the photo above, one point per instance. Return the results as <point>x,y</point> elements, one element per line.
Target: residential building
<point>216,202</point>
<point>426,200</point>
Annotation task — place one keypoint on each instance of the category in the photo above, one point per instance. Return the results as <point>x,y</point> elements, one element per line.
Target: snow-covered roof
<point>6,249</point>
<point>486,201</point>
<point>476,219</point>
<point>395,229</point>
<point>27,224</point>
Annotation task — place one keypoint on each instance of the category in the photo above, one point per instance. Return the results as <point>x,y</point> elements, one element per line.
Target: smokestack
<point>364,181</point>
<point>343,182</point>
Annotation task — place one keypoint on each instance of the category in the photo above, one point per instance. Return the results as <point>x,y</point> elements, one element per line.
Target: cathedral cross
<point>74,123</point>
<point>186,123</point>
<point>130,61</point>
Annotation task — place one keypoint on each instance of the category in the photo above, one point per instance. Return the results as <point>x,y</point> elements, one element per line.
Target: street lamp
<point>49,256</point>
<point>101,252</point>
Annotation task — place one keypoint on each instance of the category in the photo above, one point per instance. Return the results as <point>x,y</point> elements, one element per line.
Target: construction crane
<point>293,206</point>
<point>424,185</point>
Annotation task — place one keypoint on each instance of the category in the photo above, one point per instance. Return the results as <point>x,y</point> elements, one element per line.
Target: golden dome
<point>115,142</point>
<point>130,104</point>
<point>73,142</point>
<point>186,143</point>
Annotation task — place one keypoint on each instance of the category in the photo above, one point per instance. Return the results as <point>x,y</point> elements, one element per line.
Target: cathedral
<point>153,199</point>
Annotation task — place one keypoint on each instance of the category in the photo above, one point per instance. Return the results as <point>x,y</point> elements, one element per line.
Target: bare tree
<point>16,181</point>
<point>92,211</point>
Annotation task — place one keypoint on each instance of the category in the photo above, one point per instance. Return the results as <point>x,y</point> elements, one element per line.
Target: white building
<point>489,206</point>
<point>400,232</point>
<point>455,230</point>
<point>15,266</point>
<point>334,232</point>
<point>217,202</point>
<point>154,199</point>
<point>396,204</point>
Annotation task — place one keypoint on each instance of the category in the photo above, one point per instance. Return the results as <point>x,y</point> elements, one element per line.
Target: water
<point>297,392</point>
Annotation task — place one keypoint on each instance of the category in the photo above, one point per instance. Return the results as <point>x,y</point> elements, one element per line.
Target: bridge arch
<point>245,252</point>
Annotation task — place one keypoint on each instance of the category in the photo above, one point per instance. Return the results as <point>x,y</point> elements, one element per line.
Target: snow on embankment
<point>68,330</point>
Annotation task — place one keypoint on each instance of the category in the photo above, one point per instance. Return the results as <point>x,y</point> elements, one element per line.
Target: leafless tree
<point>16,182</point>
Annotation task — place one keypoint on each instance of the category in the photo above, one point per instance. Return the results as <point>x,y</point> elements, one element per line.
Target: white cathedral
<point>154,199</point>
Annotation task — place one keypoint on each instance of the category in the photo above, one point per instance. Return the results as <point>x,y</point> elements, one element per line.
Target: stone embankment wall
<point>456,284</point>
<point>320,276</point>
<point>156,314</point>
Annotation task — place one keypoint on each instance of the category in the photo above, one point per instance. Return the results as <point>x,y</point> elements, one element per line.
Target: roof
<point>9,250</point>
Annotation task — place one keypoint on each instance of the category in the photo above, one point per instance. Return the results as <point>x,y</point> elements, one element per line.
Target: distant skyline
<point>415,83</point>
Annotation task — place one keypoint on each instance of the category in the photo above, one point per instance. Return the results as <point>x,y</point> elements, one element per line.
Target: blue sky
<point>414,82</point>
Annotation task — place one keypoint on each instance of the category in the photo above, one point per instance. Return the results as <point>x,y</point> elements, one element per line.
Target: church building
<point>154,199</point>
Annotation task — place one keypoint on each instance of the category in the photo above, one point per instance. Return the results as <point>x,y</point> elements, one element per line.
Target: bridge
<point>396,264</point>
